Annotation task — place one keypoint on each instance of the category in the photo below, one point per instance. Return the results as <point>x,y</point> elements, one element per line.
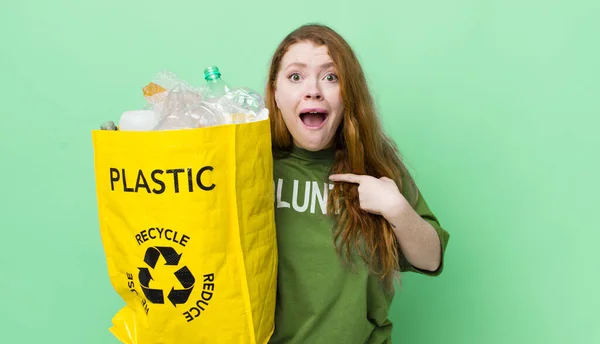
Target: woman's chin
<point>313,144</point>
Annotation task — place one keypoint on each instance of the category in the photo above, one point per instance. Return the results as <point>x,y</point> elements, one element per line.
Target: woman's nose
<point>313,93</point>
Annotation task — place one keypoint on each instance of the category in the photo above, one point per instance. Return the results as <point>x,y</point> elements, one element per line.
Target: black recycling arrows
<point>145,277</point>
<point>153,253</point>
<point>187,280</point>
<point>180,296</point>
<point>153,295</point>
<point>184,276</point>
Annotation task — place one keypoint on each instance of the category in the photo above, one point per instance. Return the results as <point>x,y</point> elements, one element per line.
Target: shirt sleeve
<point>423,210</point>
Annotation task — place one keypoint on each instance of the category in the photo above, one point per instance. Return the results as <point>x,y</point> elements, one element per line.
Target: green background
<point>494,104</point>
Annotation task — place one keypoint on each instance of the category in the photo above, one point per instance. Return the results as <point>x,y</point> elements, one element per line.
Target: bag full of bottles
<point>185,209</point>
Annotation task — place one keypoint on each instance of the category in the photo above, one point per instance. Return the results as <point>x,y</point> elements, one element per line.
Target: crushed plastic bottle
<point>167,80</point>
<point>108,125</point>
<point>175,107</point>
<point>204,116</point>
<point>230,110</point>
<point>156,91</point>
<point>246,100</point>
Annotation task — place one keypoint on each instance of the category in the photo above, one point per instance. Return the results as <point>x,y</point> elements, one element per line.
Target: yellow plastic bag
<point>187,225</point>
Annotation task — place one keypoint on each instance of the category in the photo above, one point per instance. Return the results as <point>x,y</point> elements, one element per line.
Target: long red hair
<point>361,147</point>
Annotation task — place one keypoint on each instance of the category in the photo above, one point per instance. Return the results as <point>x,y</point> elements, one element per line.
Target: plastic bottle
<point>247,101</point>
<point>108,125</point>
<point>237,105</point>
<point>216,85</point>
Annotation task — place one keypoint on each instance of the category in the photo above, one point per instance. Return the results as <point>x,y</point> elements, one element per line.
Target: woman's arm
<point>418,239</point>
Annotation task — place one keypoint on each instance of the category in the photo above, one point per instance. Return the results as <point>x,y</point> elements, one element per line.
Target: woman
<point>348,215</point>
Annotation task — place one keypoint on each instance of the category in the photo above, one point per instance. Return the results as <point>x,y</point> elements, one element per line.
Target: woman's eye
<point>294,77</point>
<point>331,77</point>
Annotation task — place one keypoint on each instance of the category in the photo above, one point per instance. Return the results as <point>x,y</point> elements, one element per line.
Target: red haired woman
<point>349,216</point>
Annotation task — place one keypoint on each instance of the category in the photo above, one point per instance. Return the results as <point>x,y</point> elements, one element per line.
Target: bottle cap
<point>212,72</point>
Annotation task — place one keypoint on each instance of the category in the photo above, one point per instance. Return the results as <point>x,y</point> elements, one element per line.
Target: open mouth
<point>313,119</point>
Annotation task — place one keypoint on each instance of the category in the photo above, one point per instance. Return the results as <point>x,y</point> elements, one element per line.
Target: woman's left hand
<point>379,196</point>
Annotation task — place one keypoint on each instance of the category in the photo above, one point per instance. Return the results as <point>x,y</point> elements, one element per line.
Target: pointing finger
<point>346,177</point>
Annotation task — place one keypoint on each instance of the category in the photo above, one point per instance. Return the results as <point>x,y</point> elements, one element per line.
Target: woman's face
<point>307,92</point>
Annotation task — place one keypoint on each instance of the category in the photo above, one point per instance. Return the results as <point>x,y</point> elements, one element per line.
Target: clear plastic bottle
<point>246,101</point>
<point>184,108</point>
<point>237,105</point>
<point>215,94</point>
<point>216,84</point>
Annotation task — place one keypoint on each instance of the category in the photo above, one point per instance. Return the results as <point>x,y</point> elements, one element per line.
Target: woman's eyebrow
<point>303,65</point>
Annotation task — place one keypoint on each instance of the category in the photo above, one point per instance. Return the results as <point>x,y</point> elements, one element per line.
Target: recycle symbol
<point>185,277</point>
